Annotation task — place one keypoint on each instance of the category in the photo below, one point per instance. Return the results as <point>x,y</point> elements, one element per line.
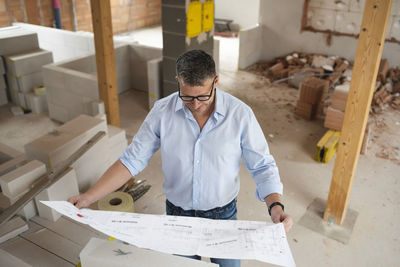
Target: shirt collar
<point>219,103</point>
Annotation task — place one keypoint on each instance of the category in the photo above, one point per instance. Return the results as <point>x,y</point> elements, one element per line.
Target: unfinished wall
<point>127,15</point>
<point>243,13</point>
<point>281,23</point>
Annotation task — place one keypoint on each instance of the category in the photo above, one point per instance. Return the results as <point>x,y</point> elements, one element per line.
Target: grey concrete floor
<point>375,192</point>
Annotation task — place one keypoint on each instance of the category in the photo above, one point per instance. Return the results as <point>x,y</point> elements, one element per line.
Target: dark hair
<point>194,67</point>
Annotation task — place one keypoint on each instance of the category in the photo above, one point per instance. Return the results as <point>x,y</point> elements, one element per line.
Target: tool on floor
<point>48,179</point>
<point>327,146</point>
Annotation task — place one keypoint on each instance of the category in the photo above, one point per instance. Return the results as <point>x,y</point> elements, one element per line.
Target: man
<point>203,133</point>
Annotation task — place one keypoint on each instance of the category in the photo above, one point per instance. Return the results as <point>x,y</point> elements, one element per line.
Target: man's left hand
<point>279,216</point>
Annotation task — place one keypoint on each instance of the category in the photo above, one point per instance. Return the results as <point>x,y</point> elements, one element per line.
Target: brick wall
<point>127,15</point>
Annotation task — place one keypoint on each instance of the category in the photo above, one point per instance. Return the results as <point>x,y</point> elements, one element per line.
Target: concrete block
<point>22,100</point>
<point>2,68</point>
<point>12,228</point>
<point>97,108</point>
<point>27,82</point>
<point>12,164</point>
<point>169,69</point>
<point>154,80</point>
<point>37,103</point>
<point>85,64</point>
<point>3,90</point>
<point>53,76</point>
<point>64,188</point>
<point>20,179</point>
<point>169,88</point>
<point>4,201</point>
<point>29,62</point>
<point>116,136</point>
<point>124,83</point>
<point>12,82</point>
<point>29,210</point>
<point>174,19</point>
<point>92,165</point>
<point>2,81</point>
<point>8,260</point>
<point>16,40</point>
<point>100,253</point>
<point>122,60</point>
<point>8,152</point>
<point>173,44</point>
<point>250,46</point>
<point>58,113</point>
<point>58,145</point>
<point>82,84</point>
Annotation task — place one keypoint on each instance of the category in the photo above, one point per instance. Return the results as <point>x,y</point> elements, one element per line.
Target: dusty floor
<point>375,240</point>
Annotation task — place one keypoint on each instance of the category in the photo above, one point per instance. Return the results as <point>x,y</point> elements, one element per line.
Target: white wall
<point>281,22</point>
<point>244,13</point>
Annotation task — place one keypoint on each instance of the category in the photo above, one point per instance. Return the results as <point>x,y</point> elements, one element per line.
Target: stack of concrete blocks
<point>154,80</point>
<point>7,259</point>
<point>14,40</point>
<point>3,86</point>
<point>335,113</point>
<point>310,93</point>
<point>63,188</point>
<point>27,68</point>
<point>11,229</point>
<point>177,40</point>
<point>57,146</point>
<point>15,184</point>
<point>72,85</point>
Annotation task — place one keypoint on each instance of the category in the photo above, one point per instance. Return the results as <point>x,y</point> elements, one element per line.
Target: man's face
<point>196,106</point>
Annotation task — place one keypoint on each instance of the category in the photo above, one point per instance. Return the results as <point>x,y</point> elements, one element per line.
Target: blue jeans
<point>227,212</point>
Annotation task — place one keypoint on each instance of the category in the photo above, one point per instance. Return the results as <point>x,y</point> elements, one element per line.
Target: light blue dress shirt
<point>201,167</point>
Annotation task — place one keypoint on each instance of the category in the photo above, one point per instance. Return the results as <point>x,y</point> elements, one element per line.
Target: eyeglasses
<point>188,98</point>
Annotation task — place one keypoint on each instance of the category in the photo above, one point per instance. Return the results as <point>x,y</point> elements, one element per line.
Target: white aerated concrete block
<point>97,108</point>
<point>101,253</point>
<point>19,180</point>
<point>12,82</point>
<point>64,188</point>
<point>92,165</point>
<point>15,40</point>
<point>9,260</point>
<point>29,210</point>
<point>22,100</point>
<point>11,229</point>
<point>58,113</point>
<point>27,82</point>
<point>3,91</point>
<point>36,103</point>
<point>117,143</point>
<point>12,164</point>
<point>58,145</point>
<point>29,62</point>
<point>250,46</point>
<point>154,78</point>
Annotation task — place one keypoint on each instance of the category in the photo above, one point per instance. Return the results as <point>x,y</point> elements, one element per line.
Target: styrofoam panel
<point>27,82</point>
<point>29,62</point>
<point>348,22</point>
<point>16,40</point>
<point>321,19</point>
<point>63,189</point>
<point>20,179</point>
<point>8,260</point>
<point>101,253</point>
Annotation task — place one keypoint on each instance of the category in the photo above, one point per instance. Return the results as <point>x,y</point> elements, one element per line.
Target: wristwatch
<point>275,204</point>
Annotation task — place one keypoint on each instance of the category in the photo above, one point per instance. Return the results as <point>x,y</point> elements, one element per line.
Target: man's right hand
<point>81,201</point>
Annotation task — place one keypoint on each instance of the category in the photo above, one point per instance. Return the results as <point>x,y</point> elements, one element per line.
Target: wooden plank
<point>368,55</point>
<point>105,59</point>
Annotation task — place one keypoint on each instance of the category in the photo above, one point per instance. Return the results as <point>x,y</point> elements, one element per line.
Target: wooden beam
<point>105,58</point>
<point>368,55</point>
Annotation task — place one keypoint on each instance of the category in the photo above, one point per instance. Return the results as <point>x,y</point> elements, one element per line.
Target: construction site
<point>89,175</point>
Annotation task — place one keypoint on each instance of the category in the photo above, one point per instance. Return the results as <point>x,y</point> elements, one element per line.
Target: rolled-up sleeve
<point>259,162</point>
<point>145,143</point>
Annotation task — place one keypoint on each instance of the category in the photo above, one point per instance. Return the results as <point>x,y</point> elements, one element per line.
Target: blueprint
<point>188,235</point>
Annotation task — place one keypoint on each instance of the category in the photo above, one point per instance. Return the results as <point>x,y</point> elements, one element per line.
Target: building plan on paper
<point>188,235</point>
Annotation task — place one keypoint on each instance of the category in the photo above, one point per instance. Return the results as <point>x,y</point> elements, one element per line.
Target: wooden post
<point>368,55</point>
<point>105,58</point>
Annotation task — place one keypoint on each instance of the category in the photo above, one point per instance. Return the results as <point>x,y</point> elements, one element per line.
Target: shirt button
<point>198,161</point>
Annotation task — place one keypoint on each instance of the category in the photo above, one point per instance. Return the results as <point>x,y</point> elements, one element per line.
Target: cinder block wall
<point>127,15</point>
